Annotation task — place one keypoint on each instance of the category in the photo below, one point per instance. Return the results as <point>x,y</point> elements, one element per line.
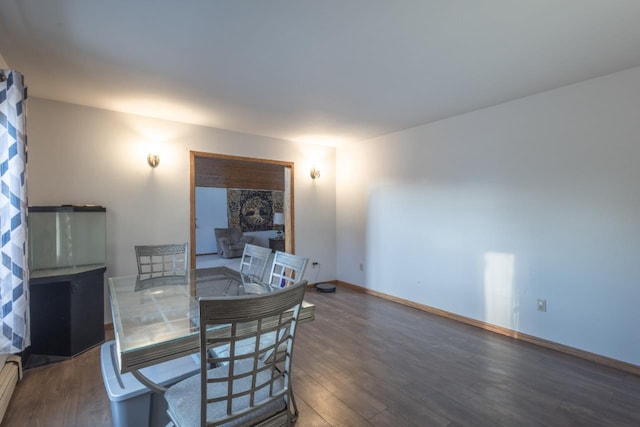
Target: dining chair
<point>243,389</point>
<point>162,260</point>
<point>286,269</point>
<point>254,260</point>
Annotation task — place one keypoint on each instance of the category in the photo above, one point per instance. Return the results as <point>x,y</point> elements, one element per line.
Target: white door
<point>211,212</point>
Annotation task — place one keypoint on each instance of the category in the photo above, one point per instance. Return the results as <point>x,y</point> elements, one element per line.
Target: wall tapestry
<point>252,210</point>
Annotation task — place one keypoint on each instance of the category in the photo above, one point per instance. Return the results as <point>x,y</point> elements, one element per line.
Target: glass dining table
<point>156,319</point>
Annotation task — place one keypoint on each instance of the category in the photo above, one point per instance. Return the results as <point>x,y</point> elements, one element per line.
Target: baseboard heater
<point>10,374</point>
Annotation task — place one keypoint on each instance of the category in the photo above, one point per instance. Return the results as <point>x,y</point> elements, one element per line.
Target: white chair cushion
<point>183,398</point>
<point>245,346</point>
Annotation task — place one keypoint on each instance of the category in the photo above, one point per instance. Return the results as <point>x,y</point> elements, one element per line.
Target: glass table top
<point>156,319</point>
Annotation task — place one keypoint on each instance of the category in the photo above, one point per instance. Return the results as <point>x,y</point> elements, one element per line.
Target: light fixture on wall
<point>153,159</point>
<point>315,172</point>
<point>278,220</point>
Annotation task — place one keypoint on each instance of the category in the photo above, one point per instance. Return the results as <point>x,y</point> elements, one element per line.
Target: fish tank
<point>66,239</point>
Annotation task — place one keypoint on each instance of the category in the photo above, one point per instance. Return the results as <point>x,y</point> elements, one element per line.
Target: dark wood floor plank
<point>408,411</point>
<point>366,361</point>
<point>325,403</point>
<point>66,394</point>
<point>309,416</point>
<point>518,380</point>
<point>341,384</point>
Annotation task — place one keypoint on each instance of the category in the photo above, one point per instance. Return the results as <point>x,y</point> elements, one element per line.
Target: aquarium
<point>66,239</point>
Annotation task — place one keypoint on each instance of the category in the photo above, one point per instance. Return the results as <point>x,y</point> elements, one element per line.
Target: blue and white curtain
<point>14,272</point>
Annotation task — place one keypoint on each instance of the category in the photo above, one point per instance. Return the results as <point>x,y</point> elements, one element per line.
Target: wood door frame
<point>288,207</point>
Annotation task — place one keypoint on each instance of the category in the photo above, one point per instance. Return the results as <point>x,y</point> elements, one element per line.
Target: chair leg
<point>294,407</point>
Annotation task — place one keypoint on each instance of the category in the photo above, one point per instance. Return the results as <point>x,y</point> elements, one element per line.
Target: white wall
<point>484,213</point>
<point>80,155</point>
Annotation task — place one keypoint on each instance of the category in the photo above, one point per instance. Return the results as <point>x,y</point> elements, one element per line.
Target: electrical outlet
<point>361,267</point>
<point>542,305</point>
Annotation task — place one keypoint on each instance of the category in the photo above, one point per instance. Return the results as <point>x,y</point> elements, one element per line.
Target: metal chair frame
<point>254,260</point>
<point>162,260</point>
<point>287,269</point>
<point>243,388</point>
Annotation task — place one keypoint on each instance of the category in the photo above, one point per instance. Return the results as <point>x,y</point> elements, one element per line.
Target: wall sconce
<point>315,173</point>
<point>153,159</point>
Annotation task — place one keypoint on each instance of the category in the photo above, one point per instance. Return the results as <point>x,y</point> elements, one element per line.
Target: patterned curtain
<point>14,273</point>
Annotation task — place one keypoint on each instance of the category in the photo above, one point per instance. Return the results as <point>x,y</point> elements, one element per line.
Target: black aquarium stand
<point>67,311</point>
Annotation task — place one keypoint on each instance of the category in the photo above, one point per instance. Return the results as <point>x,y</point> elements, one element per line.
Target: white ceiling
<point>312,70</point>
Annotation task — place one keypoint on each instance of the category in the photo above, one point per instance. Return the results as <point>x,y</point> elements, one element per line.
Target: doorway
<point>219,171</point>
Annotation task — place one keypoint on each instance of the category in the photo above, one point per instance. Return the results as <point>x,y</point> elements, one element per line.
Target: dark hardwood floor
<point>366,361</point>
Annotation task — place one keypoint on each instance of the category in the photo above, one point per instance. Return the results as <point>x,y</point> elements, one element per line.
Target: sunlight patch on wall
<point>501,306</point>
